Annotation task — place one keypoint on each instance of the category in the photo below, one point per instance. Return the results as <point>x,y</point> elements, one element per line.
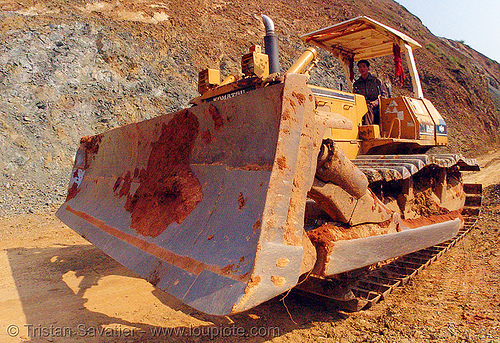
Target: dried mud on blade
<point>206,203</point>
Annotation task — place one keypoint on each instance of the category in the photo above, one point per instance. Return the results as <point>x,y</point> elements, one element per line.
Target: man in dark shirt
<point>371,87</point>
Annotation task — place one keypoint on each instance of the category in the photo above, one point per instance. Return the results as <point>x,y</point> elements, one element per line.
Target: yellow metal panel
<point>442,140</point>
<point>350,148</point>
<point>348,110</point>
<point>351,106</point>
<point>425,123</point>
<point>207,79</point>
<point>396,119</point>
<point>440,125</point>
<point>367,132</point>
<point>255,63</point>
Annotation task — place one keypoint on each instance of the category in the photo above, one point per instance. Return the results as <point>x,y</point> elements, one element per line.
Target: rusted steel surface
<point>375,174</point>
<point>335,201</point>
<point>343,207</point>
<point>282,234</point>
<point>395,167</point>
<point>357,253</point>
<point>335,167</point>
<point>206,203</point>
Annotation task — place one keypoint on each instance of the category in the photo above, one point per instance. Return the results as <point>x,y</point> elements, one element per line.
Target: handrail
<point>392,126</point>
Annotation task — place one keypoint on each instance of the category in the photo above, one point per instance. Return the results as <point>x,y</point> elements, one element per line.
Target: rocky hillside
<point>75,68</point>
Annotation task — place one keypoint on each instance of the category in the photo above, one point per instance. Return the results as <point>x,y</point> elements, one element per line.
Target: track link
<point>376,285</point>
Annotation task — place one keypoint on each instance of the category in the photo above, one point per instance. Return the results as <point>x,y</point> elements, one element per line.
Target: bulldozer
<point>267,183</point>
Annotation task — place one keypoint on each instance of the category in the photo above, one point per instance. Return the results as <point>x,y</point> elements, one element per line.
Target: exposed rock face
<point>64,81</point>
<point>73,69</point>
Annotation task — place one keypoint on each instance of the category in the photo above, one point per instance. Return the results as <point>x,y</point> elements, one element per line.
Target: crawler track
<point>374,286</point>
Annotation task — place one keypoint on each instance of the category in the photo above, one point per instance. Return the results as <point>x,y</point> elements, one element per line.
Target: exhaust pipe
<point>271,45</point>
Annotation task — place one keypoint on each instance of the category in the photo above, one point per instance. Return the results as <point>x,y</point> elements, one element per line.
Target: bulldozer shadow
<point>78,291</point>
<point>275,317</point>
<point>53,285</point>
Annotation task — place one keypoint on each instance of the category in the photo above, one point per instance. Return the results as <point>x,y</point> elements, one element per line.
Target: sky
<point>476,22</point>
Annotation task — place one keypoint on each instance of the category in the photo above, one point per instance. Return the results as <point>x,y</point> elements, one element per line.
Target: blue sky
<point>476,22</point>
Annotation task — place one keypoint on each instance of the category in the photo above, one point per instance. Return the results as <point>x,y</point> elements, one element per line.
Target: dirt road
<point>56,287</point>
<point>489,175</point>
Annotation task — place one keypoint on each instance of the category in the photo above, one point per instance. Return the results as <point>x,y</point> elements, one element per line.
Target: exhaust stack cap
<point>269,24</point>
<point>271,45</point>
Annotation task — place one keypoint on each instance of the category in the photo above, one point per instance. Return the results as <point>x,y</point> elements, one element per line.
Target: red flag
<point>398,65</point>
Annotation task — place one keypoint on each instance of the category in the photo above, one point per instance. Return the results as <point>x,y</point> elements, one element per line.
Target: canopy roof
<point>359,38</point>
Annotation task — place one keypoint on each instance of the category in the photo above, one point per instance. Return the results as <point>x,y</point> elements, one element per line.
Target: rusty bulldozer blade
<point>206,203</point>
